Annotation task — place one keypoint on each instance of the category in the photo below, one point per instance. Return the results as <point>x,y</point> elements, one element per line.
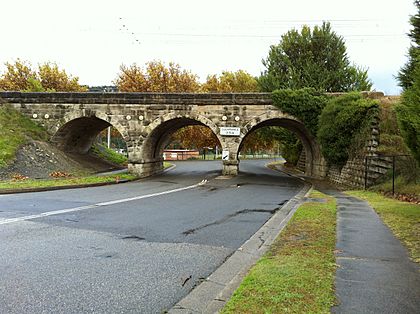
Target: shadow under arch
<point>314,162</point>
<point>78,132</point>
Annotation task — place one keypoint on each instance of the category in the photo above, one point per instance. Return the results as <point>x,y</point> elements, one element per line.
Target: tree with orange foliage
<point>17,76</point>
<point>231,82</point>
<point>195,136</point>
<point>54,79</point>
<point>20,76</point>
<point>156,77</point>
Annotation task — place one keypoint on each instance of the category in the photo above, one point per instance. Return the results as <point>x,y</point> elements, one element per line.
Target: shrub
<point>306,104</point>
<point>341,124</point>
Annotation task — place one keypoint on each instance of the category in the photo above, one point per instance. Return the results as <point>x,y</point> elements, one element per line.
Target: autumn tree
<point>195,136</point>
<point>17,76</point>
<point>20,76</point>
<point>54,79</point>
<point>229,82</point>
<point>156,77</point>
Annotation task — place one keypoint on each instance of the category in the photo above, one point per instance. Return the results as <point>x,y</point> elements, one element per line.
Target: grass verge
<point>15,130</point>
<point>33,183</point>
<point>108,154</point>
<point>402,187</point>
<point>401,217</point>
<point>297,274</point>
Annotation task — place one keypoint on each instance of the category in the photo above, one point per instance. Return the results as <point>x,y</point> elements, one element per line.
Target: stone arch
<point>314,162</point>
<point>160,129</point>
<point>76,131</point>
<point>149,160</point>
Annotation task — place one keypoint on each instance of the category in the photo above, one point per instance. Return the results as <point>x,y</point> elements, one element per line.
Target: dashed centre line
<point>80,208</point>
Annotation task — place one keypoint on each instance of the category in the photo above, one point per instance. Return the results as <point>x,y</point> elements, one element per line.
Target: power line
<point>125,29</point>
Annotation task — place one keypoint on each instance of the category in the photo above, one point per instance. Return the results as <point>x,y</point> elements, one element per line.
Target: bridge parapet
<point>138,98</point>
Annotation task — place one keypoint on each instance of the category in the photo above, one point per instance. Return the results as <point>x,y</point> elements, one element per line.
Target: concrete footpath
<point>375,274</point>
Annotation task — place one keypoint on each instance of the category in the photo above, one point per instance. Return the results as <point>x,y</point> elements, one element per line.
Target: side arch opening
<point>84,139</point>
<point>311,158</point>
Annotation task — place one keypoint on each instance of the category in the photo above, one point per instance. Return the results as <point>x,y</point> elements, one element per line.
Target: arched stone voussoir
<point>82,113</point>
<point>155,124</point>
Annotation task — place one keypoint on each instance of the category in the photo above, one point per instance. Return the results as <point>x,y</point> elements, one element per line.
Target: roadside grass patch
<point>402,188</point>
<point>401,217</point>
<point>16,130</point>
<point>297,274</point>
<point>108,154</point>
<point>43,183</point>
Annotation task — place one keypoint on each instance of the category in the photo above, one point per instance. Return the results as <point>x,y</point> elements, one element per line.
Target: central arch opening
<point>179,138</point>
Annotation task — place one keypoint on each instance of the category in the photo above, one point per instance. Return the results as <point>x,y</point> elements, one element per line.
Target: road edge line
<point>97,205</point>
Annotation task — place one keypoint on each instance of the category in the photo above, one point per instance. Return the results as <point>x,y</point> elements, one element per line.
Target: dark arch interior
<point>78,135</point>
<point>301,132</point>
<point>160,137</point>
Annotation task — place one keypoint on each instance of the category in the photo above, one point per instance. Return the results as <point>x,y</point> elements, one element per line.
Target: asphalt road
<point>130,248</point>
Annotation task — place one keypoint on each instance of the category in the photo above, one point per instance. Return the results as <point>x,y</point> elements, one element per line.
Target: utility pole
<point>109,137</point>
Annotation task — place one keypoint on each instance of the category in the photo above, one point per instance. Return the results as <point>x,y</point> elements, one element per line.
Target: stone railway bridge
<point>147,120</point>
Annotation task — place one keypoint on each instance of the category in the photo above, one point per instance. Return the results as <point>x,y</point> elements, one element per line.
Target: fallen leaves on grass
<point>59,174</point>
<point>19,177</point>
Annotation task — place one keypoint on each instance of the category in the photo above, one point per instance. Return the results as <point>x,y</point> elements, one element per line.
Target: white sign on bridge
<point>230,131</point>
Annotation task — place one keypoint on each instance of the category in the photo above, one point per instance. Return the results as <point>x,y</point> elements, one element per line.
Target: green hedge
<point>343,124</point>
<point>305,104</point>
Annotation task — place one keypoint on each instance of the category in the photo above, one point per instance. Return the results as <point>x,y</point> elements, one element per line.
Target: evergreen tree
<point>406,74</point>
<point>408,112</point>
<point>312,58</point>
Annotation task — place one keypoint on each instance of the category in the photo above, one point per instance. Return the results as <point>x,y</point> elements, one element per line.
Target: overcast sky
<point>91,39</point>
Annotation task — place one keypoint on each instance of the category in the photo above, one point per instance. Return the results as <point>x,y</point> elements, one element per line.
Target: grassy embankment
<point>45,183</point>
<point>401,217</point>
<point>297,274</point>
<point>16,130</point>
<point>108,154</point>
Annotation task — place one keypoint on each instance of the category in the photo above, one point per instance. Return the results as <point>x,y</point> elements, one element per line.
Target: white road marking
<point>75,209</point>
